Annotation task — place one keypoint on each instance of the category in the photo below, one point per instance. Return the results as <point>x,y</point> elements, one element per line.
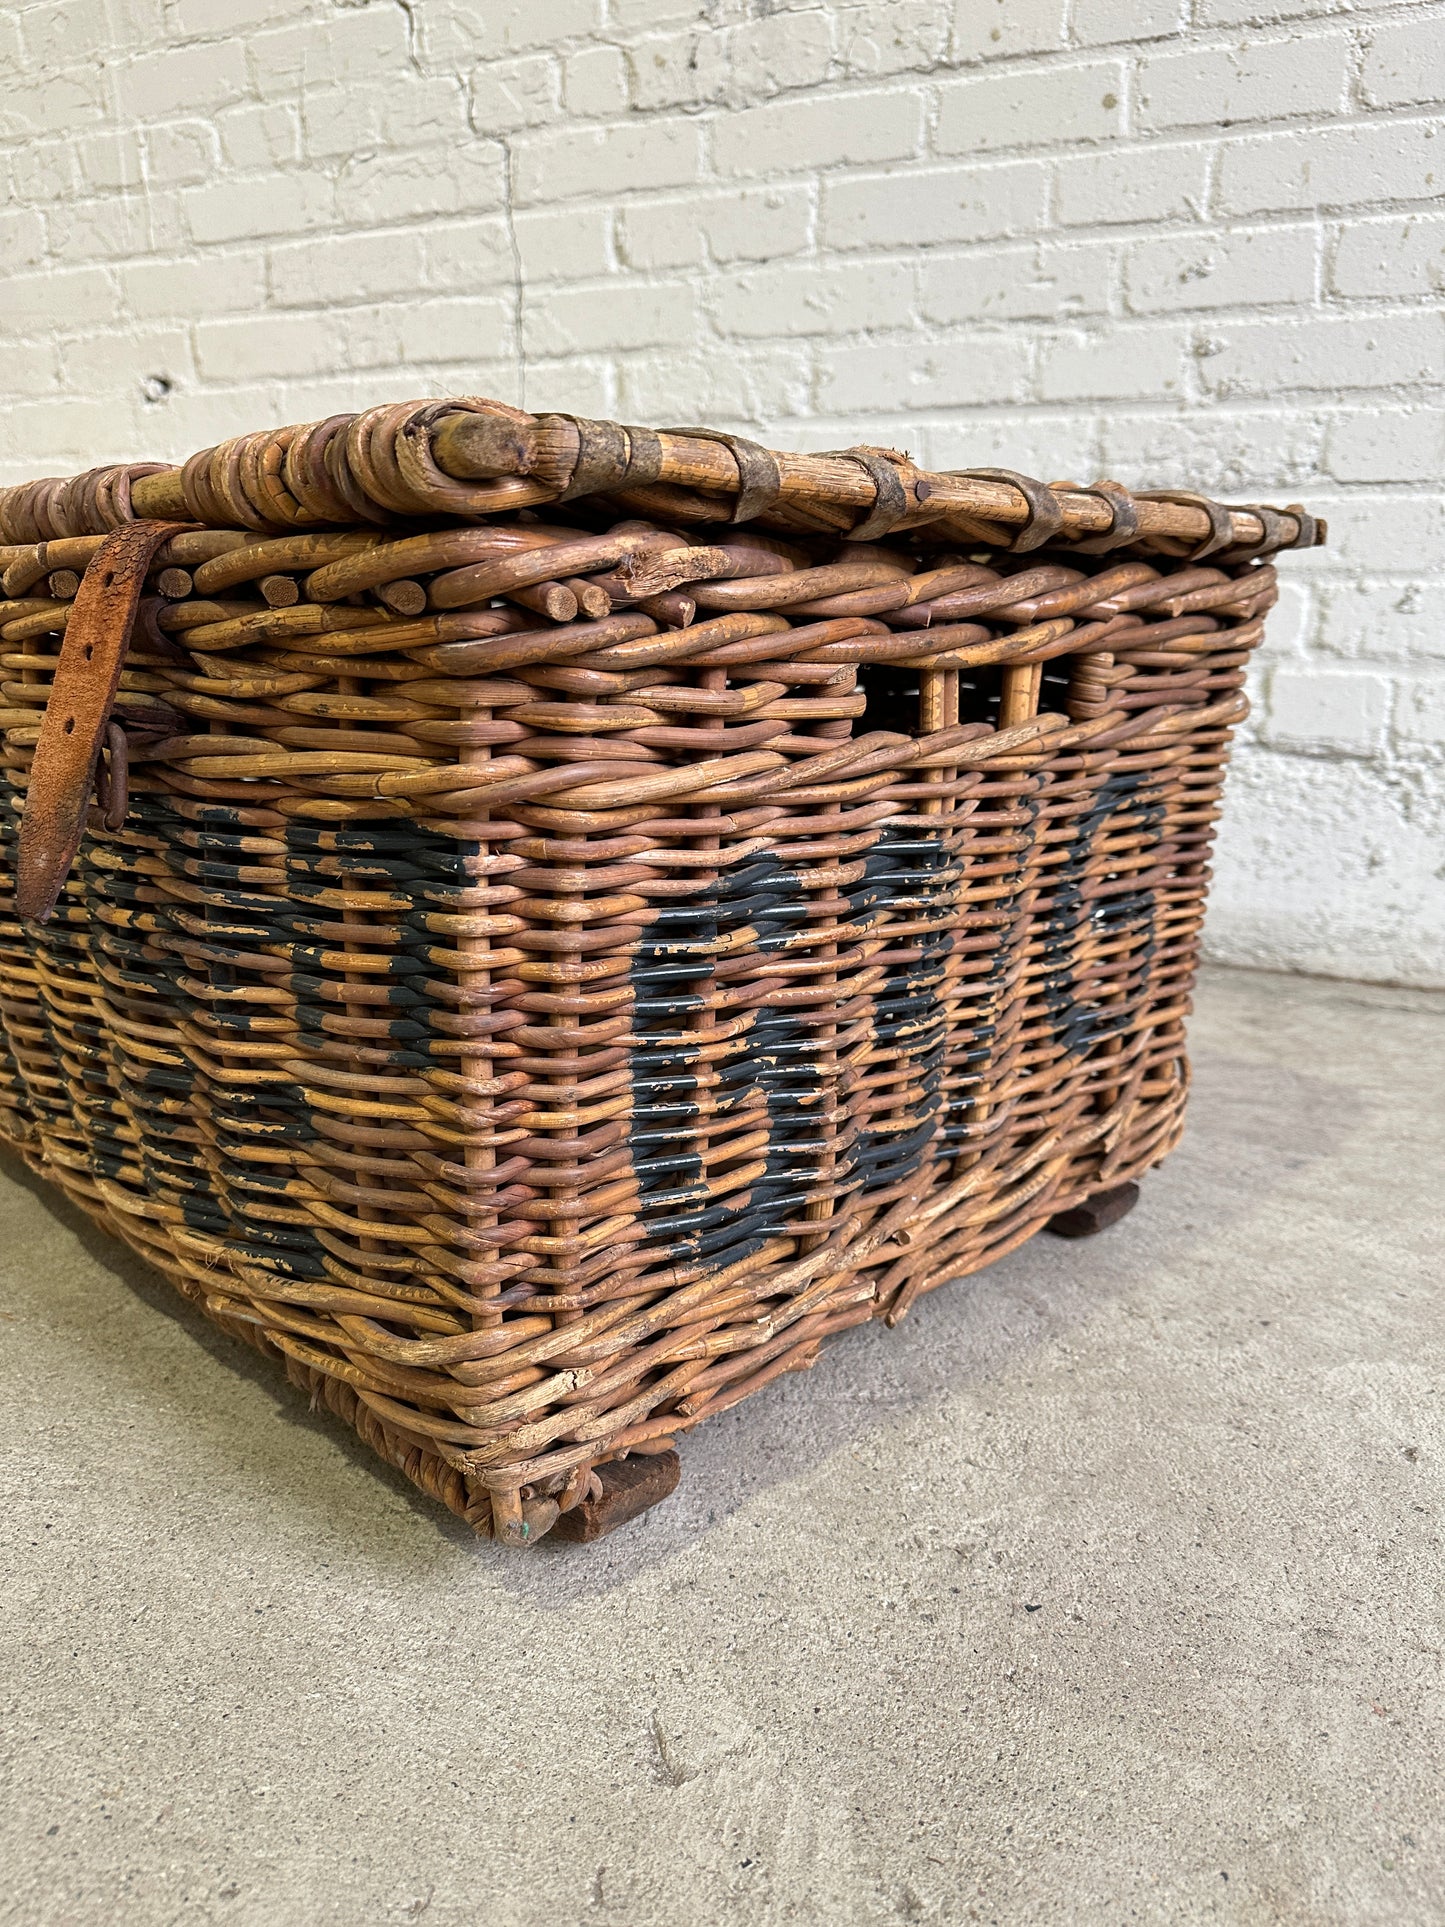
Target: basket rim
<point>469,457</point>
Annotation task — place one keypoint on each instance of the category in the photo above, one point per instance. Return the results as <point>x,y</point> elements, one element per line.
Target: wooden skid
<point>565,954</point>
<point>1095,1214</point>
<point>624,1489</point>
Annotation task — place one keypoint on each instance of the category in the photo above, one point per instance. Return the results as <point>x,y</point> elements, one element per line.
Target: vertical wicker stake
<point>479,1159</point>
<point>707,1026</point>
<point>1020,694</point>
<point>569,976</point>
<point>818,1210</point>
<point>938,709</point>
<point>354,1008</point>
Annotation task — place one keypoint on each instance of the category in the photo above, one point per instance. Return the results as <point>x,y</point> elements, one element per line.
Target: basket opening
<point>891,699</point>
<point>980,696</point>
<point>1054,686</point>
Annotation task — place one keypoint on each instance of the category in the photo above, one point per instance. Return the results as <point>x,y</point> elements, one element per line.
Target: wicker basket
<point>552,921</point>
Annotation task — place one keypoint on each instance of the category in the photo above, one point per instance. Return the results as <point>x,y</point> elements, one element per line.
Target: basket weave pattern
<point>576,931</point>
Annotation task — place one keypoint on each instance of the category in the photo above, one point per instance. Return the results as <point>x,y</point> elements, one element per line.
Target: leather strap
<point>87,676</point>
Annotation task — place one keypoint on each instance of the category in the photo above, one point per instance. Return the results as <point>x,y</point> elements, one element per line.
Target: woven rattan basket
<point>553,921</point>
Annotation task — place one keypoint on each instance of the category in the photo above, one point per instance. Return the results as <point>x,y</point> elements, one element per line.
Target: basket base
<point>1095,1214</point>
<point>629,1487</point>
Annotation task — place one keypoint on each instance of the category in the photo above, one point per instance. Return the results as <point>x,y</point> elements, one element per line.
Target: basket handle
<point>87,676</point>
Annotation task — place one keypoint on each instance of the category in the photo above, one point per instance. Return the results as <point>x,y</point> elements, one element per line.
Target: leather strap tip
<point>35,901</point>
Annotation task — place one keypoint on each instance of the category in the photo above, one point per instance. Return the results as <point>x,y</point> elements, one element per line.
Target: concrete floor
<point>1109,1588</point>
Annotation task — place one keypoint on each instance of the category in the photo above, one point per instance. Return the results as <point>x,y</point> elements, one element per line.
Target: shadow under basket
<point>536,924</point>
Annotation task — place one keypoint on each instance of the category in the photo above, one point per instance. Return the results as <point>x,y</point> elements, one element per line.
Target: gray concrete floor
<point>1108,1588</point>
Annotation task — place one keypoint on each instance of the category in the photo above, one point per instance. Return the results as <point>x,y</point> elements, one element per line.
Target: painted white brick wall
<point>1168,240</point>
